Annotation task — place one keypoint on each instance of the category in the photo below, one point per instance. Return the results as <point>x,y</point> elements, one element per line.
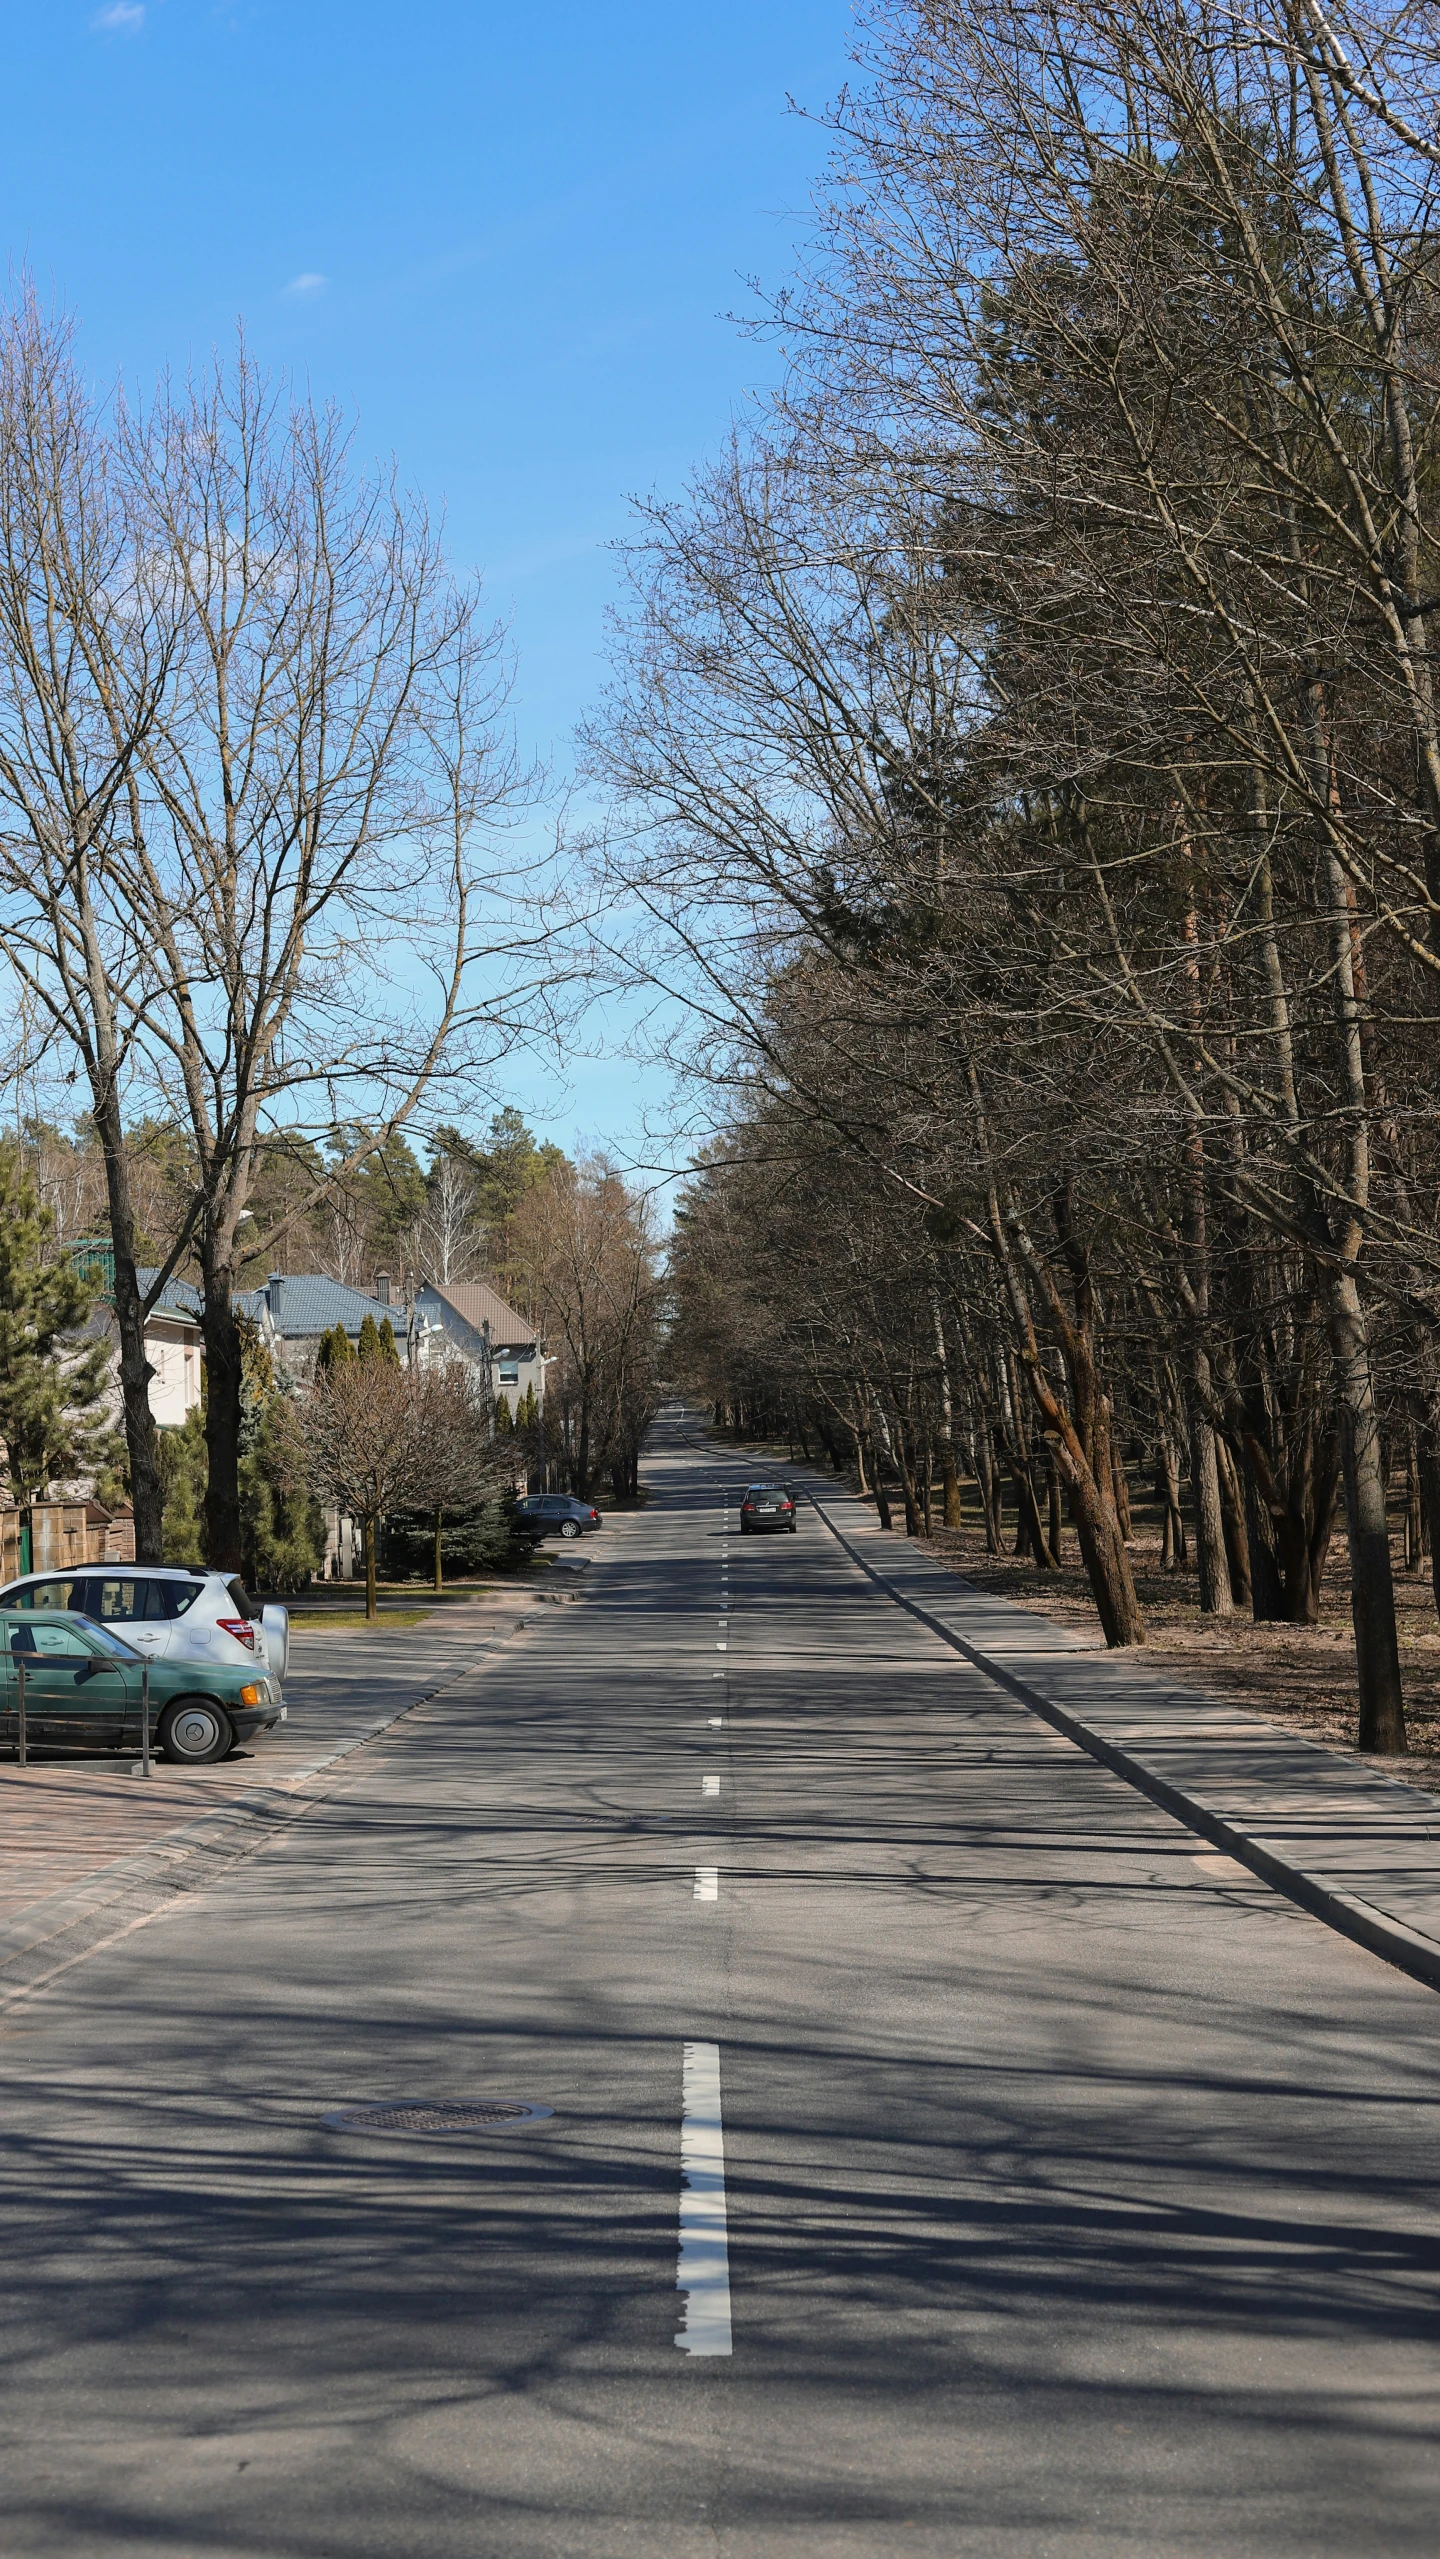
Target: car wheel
<point>569,1528</point>
<point>793,1526</point>
<point>195,1731</point>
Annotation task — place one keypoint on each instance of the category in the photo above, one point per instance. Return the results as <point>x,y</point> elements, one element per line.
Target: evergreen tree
<point>52,1391</point>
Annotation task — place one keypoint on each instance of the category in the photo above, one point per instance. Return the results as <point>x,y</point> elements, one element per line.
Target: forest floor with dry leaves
<point>1299,1676</point>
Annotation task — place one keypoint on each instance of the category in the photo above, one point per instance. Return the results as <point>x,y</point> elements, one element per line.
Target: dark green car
<point>83,1689</point>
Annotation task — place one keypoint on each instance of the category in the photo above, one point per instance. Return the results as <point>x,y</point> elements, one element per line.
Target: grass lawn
<point>307,1617</point>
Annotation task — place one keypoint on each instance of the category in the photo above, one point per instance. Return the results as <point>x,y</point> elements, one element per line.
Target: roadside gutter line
<point>1363,1921</point>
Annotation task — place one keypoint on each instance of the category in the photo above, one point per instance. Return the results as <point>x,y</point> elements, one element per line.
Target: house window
<point>510,1376</point>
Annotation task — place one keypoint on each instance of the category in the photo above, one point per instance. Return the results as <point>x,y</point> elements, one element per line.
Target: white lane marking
<point>722,1621</point>
<point>1229,1867</point>
<point>703,2273</point>
<point>722,1648</point>
<point>717,1719</point>
<point>707,1883</point>
<point>709,1785</point>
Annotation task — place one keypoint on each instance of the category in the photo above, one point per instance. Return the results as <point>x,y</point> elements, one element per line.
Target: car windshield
<point>111,1642</point>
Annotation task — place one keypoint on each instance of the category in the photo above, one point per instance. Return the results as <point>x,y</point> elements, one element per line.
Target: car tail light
<point>240,1628</point>
<point>594,1514</point>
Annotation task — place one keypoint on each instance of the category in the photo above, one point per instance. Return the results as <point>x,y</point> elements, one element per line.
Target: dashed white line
<point>709,1785</point>
<point>717,1719</point>
<point>703,2273</point>
<point>707,1883</point>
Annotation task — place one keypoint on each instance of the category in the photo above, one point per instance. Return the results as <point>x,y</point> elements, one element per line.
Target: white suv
<point>165,1611</point>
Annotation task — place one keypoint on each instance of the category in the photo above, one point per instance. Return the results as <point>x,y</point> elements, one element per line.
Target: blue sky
<point>506,236</point>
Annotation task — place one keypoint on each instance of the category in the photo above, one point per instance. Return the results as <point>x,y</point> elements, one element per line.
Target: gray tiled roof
<point>311,1304</point>
<point>178,1297</point>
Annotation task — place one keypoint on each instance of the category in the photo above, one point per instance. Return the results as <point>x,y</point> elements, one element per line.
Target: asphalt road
<point>1080,2195</point>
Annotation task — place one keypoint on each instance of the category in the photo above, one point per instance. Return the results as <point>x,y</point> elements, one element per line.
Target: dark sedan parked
<point>557,1515</point>
<point>767,1506</point>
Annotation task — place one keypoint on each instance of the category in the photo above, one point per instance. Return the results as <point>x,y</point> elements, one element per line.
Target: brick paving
<point>71,1824</point>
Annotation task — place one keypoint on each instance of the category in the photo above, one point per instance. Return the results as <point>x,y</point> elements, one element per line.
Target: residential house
<point>469,1320</point>
<point>293,1312</point>
<point>174,1342</point>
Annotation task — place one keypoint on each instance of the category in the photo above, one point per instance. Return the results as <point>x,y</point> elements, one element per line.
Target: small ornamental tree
<point>377,1341</point>
<point>52,1387</point>
<point>364,1427</point>
<point>333,1349</point>
<point>458,1461</point>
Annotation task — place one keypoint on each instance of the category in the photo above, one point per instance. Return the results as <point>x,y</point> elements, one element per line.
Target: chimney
<point>382,1287</point>
<point>273,1288</point>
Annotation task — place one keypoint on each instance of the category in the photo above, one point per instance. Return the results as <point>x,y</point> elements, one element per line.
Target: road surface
<point>1039,2183</point>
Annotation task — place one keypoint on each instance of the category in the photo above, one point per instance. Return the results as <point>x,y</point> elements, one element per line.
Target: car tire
<point>195,1731</point>
<point>569,1528</point>
<point>794,1524</point>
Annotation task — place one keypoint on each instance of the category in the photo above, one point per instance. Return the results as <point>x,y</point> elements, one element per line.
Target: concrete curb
<point>1361,1921</point>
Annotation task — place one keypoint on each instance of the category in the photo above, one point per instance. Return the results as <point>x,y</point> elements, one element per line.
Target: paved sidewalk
<point>81,1834</point>
<point>1351,1843</point>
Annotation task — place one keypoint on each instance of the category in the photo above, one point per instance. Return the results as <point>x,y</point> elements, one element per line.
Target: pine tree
<point>51,1390</point>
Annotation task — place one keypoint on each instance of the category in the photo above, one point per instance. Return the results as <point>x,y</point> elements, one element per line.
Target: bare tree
<point>364,1432</point>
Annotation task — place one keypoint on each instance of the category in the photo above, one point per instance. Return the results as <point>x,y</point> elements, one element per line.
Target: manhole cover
<point>484,2114</point>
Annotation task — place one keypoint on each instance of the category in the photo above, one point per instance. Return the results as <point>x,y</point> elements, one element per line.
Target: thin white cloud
<point>307,284</point>
<point>121,18</point>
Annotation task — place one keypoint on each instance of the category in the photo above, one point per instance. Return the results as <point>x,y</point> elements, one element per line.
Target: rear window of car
<point>243,1601</point>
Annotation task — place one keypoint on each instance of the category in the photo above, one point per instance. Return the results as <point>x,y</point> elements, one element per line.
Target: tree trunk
<point>372,1601</point>
<point>949,1474</point>
<point>1052,1479</point>
<point>1212,1562</point>
<point>1414,1514</point>
<point>1103,1548</point>
<point>142,1443</point>
<point>987,1480</point>
<point>1430,1490</point>
<point>1174,1540</point>
<point>1381,1721</point>
<point>907,1482</point>
<point>1232,1509</point>
<point>223,1363</point>
<point>439,1571</point>
<point>881,1502</point>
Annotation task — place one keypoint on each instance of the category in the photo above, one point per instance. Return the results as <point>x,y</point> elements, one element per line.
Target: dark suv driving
<point>767,1506</point>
